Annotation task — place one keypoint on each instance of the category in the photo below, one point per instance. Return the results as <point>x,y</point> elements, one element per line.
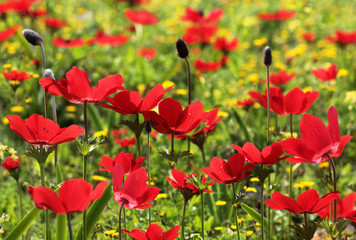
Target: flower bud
<point>49,73</point>
<point>267,56</point>
<point>32,37</point>
<point>148,127</point>
<point>182,48</point>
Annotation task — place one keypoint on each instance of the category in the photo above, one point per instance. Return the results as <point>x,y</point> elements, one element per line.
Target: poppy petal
<point>45,198</point>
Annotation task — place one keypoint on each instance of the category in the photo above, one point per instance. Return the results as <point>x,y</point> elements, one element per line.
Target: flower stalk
<point>235,213</point>
<point>335,188</point>
<point>183,216</point>
<point>120,211</point>
<point>69,227</point>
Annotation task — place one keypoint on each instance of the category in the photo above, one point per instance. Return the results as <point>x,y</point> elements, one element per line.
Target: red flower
<point>232,171</point>
<point>307,202</point>
<point>104,39</point>
<point>130,102</point>
<point>134,192</point>
<point>127,142</point>
<point>11,164</point>
<point>316,140</point>
<point>280,78</point>
<point>154,232</point>
<point>55,23</point>
<point>280,15</point>
<point>207,66</point>
<point>126,160</point>
<point>40,130</point>
<point>15,75</point>
<point>270,155</point>
<point>135,1</point>
<point>200,33</point>
<point>8,33</point>
<point>223,44</point>
<point>325,74</point>
<point>74,196</point>
<point>72,43</point>
<point>245,102</point>
<point>294,102</point>
<point>309,36</point>
<point>142,17</point>
<point>180,183</point>
<point>76,88</point>
<point>343,37</point>
<point>172,118</point>
<point>345,208</point>
<point>147,53</point>
<point>198,16</point>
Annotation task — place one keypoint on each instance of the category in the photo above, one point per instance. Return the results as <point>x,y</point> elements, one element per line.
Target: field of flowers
<point>159,120</point>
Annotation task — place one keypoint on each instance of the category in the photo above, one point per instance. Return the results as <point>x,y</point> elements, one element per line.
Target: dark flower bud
<point>148,127</point>
<point>48,73</point>
<point>32,37</point>
<point>201,12</point>
<point>182,48</point>
<point>267,56</point>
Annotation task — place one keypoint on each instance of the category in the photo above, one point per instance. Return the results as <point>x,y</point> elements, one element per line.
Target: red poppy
<point>76,88</point>
<point>309,36</point>
<point>55,23</point>
<point>126,142</point>
<point>232,171</point>
<point>172,118</point>
<point>270,155</point>
<point>40,130</point>
<point>223,44</point>
<point>142,17</point>
<point>316,140</point>
<point>343,37</point>
<point>344,209</point>
<point>307,202</point>
<point>198,16</point>
<point>8,33</point>
<point>245,102</point>
<point>294,102</point>
<point>180,183</point>
<point>23,7</point>
<point>154,232</point>
<point>72,43</point>
<point>130,102</point>
<point>200,33</point>
<point>126,160</point>
<point>11,163</point>
<point>325,75</point>
<point>15,75</point>
<point>134,192</point>
<point>280,15</point>
<point>207,66</point>
<point>147,53</point>
<point>135,1</point>
<point>74,196</point>
<point>280,78</point>
<point>104,39</point>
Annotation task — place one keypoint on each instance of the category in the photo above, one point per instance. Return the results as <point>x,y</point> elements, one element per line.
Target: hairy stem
<point>148,173</point>
<point>69,227</point>
<point>120,231</point>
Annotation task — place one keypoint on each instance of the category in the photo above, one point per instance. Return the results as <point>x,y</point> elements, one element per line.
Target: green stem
<point>120,231</point>
<point>268,105</point>
<point>202,214</point>
<point>262,206</point>
<point>137,135</point>
<point>235,212</point>
<point>86,121</point>
<point>148,173</point>
<point>335,189</point>
<point>125,226</point>
<point>188,81</point>
<point>290,177</point>
<point>183,216</point>
<point>46,211</point>
<point>85,166</point>
<point>43,68</point>
<point>203,154</point>
<point>306,219</point>
<point>69,227</point>
<point>20,195</point>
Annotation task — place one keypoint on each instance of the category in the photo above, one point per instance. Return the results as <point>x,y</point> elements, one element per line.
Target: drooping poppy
<point>134,192</point>
<point>279,78</point>
<point>345,208</point>
<point>76,88</point>
<point>104,39</point>
<point>195,16</point>
<point>11,163</point>
<point>280,15</point>
<point>68,43</point>
<point>270,155</point>
<point>126,160</point>
<point>142,17</point>
<point>74,196</point>
<point>325,75</point>
<point>40,130</point>
<point>172,118</point>
<point>307,202</point>
<point>232,171</point>
<point>154,232</point>
<point>8,33</point>
<point>130,102</point>
<point>316,140</point>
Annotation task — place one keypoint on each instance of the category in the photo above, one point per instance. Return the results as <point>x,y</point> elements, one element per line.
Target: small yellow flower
<point>307,89</point>
<point>99,178</point>
<point>112,233</point>
<point>28,100</point>
<point>7,66</point>
<point>324,165</point>
<point>17,109</point>
<point>71,108</point>
<point>218,228</point>
<point>307,184</point>
<point>260,41</point>
<point>182,92</point>
<point>253,78</point>
<point>161,195</point>
<point>298,186</point>
<point>254,179</point>
<point>245,45</point>
<point>59,56</point>
<point>5,121</point>
<point>257,224</point>
<point>162,213</point>
<point>220,203</point>
<point>250,189</point>
<point>223,114</point>
<point>167,84</point>
<point>249,233</point>
<point>101,133</point>
<point>233,227</point>
<point>240,220</point>
<point>350,97</point>
<point>81,10</point>
<point>141,88</point>
<point>342,73</point>
<point>35,75</point>
<point>70,115</point>
<point>330,88</point>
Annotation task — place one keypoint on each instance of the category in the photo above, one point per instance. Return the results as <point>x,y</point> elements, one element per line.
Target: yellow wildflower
<point>7,66</point>
<point>250,189</point>
<point>101,133</point>
<point>253,78</point>
<point>17,109</point>
<point>307,184</point>
<point>240,220</point>
<point>162,213</point>
<point>28,100</point>
<point>324,165</point>
<point>254,179</point>
<point>249,233</point>
<point>167,84</point>
<point>5,121</point>
<point>182,92</point>
<point>220,203</point>
<point>112,233</point>
<point>218,228</point>
<point>343,72</point>
<point>298,186</point>
<point>260,41</point>
<point>329,88</point>
<point>233,227</point>
<point>98,178</point>
<point>223,114</point>
<point>71,108</point>
<point>161,195</point>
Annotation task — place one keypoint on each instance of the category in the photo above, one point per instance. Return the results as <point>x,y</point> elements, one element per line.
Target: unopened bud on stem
<point>267,56</point>
<point>148,127</point>
<point>49,73</point>
<point>182,48</point>
<point>32,37</point>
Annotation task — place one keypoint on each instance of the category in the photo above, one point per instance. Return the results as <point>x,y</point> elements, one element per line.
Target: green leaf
<point>95,211</point>
<point>24,224</point>
<point>94,117</point>
<point>254,214</point>
<point>242,125</point>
